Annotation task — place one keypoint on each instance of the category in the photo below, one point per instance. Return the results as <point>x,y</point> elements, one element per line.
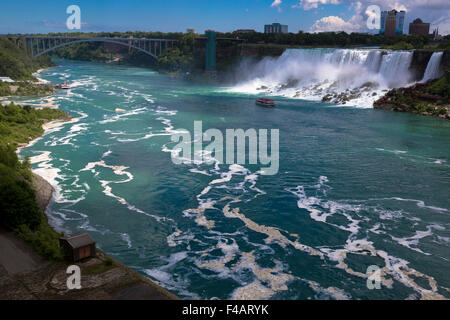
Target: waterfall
<point>344,76</point>
<point>394,68</point>
<point>433,69</point>
<point>373,61</point>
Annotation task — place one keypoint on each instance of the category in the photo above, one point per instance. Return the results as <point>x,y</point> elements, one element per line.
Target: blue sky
<point>28,16</point>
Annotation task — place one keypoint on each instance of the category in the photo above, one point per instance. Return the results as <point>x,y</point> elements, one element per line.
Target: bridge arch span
<point>99,40</point>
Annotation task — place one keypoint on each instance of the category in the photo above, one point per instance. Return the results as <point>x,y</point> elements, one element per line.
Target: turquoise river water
<point>356,188</point>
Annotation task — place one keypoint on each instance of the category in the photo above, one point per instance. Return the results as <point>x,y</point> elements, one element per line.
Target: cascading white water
<point>344,76</point>
<point>394,68</point>
<point>373,61</point>
<point>433,69</point>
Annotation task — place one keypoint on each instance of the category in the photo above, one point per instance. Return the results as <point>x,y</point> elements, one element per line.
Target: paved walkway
<point>16,256</point>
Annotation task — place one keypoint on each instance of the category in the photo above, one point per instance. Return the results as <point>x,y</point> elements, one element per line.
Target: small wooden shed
<point>77,246</point>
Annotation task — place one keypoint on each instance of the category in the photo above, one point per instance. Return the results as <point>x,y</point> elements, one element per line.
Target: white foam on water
<point>395,268</point>
<point>419,203</point>
<point>414,240</point>
<point>165,277</point>
<point>36,75</point>
<point>76,130</point>
<point>53,176</point>
<point>167,131</point>
<point>165,111</point>
<point>332,292</point>
<point>107,189</point>
<point>122,116</point>
<point>126,238</point>
<point>393,151</point>
<point>107,153</point>
<point>267,282</point>
<point>203,172</point>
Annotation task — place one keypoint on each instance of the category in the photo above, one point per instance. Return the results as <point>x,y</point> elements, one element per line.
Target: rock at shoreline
<point>342,97</point>
<point>44,191</point>
<point>420,99</point>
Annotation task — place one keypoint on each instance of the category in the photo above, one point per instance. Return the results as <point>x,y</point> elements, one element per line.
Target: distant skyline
<point>27,16</point>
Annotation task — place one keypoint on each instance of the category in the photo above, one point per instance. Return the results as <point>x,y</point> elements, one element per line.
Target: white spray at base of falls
<point>344,76</point>
<point>433,69</point>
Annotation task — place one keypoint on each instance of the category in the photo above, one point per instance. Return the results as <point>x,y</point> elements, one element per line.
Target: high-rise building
<point>400,22</point>
<point>418,27</point>
<point>275,28</point>
<point>392,22</point>
<point>383,21</point>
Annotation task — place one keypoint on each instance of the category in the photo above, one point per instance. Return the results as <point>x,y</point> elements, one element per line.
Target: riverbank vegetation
<point>443,45</point>
<point>18,66</point>
<point>428,99</point>
<point>14,63</point>
<point>19,209</point>
<point>86,51</point>
<point>178,58</point>
<point>25,88</point>
<point>188,55</point>
<point>330,39</point>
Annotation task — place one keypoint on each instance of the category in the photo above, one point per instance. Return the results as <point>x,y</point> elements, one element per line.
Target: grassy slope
<point>19,210</point>
<point>14,63</point>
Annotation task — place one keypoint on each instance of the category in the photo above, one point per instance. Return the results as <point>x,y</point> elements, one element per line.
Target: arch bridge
<point>39,45</point>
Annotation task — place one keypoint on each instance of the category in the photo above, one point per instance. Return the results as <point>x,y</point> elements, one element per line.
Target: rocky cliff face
<point>429,99</point>
<point>417,99</point>
<point>262,50</point>
<point>229,54</point>
<point>445,63</point>
<point>420,61</point>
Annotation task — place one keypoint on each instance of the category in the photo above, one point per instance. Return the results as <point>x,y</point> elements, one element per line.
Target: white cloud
<point>276,3</point>
<point>443,24</point>
<point>406,5</point>
<point>437,12</point>
<point>333,23</point>
<point>313,4</point>
<point>411,4</point>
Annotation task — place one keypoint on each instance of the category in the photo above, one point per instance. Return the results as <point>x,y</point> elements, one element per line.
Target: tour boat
<point>265,102</point>
<point>65,86</point>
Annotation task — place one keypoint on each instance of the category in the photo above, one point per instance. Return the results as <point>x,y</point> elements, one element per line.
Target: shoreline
<point>39,82</point>
<point>47,126</point>
<point>37,72</point>
<point>137,285</point>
